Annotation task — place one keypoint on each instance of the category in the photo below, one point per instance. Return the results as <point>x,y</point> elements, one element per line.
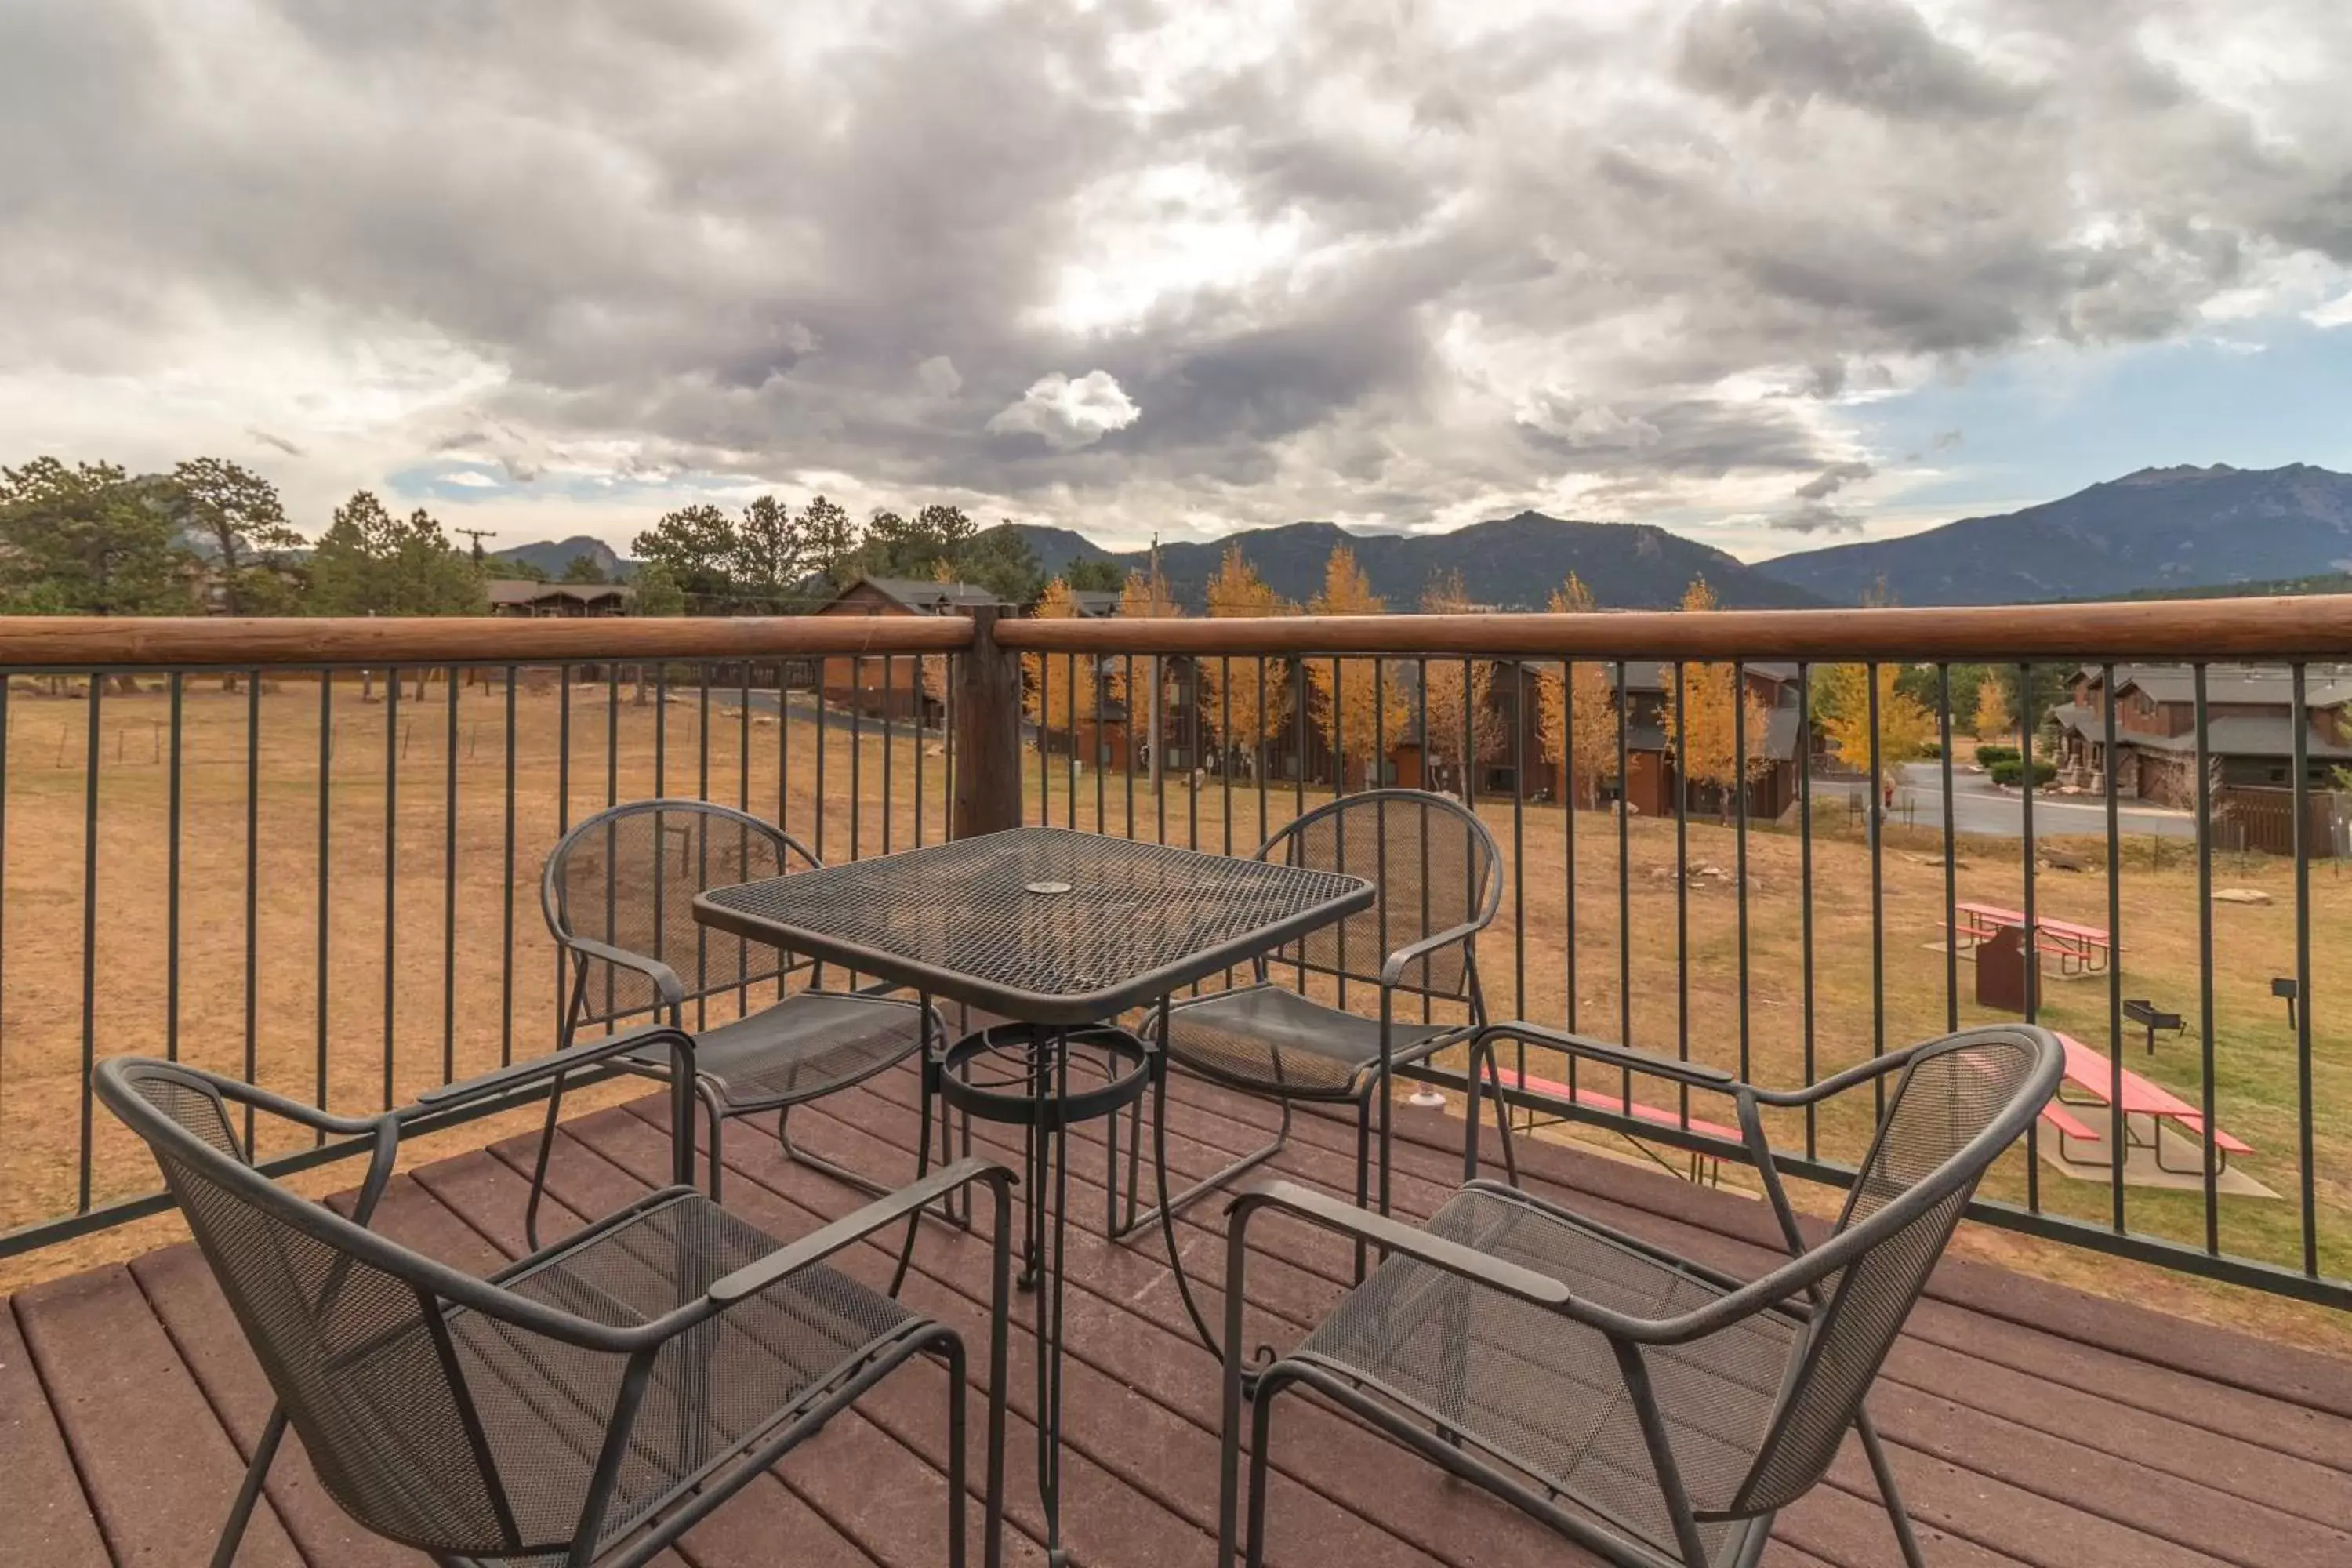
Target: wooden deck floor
<point>2028,1424</point>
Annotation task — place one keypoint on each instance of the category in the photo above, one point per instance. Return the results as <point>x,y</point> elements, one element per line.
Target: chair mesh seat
<point>545,1406</point>
<point>796,1049</point>
<point>1544,1394</point>
<point>1275,1040</point>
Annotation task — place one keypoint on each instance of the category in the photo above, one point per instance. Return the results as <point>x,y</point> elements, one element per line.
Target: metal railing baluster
<point>1875,818</point>
<point>1951,849</point>
<point>505,885</point>
<point>392,873</point>
<point>176,789</point>
<point>1680,764</point>
<point>2300,713</point>
<point>449,884</point>
<point>90,939</point>
<point>2205,957</point>
<point>322,972</point>
<point>2114,951</point>
<point>1739,844</point>
<point>1624,885</point>
<point>2032,921</point>
<point>1805,891</point>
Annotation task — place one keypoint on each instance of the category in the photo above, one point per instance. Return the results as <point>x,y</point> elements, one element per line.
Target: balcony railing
<point>306,852</point>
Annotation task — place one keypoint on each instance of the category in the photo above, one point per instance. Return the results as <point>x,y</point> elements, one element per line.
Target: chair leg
<point>1202,1188</point>
<point>823,1166</point>
<point>1897,1514</point>
<point>922,1168</point>
<point>1483,1059</point>
<point>718,1115</point>
<point>538,1164</point>
<point>1503,1121</point>
<point>953,1356</point>
<point>241,1512</point>
<point>1260,1439</point>
<point>1363,1171</point>
<point>1165,1213</point>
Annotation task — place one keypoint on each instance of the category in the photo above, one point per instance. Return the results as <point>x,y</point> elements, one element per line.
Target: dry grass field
<point>415,963</point>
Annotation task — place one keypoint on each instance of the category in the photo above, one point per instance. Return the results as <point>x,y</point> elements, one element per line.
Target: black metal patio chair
<point>1437,870</point>
<point>585,1405</point>
<point>618,892</point>
<point>1656,1411</point>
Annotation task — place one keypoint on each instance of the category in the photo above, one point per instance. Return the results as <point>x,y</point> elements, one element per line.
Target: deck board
<point>2028,1424</point>
<point>159,1468</point>
<point>47,1519</point>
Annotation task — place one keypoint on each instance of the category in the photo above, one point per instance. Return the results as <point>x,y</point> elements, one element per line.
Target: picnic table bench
<point>2078,948</point>
<point>2093,1078</point>
<point>1701,1165</point>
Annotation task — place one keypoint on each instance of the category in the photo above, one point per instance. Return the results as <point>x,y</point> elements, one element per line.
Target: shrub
<point>2011,770</point>
<point>1991,756</point>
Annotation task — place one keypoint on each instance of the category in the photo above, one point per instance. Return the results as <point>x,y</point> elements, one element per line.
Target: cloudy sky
<point>1771,273</point>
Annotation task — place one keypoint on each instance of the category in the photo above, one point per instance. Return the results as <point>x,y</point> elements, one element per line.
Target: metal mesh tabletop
<point>1043,924</point>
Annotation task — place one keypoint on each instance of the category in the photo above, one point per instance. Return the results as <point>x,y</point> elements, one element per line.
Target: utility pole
<point>476,535</point>
<point>1159,734</point>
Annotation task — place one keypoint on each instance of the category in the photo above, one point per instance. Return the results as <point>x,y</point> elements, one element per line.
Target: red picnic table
<point>2093,1075</point>
<point>2078,947</point>
<point>1614,1105</point>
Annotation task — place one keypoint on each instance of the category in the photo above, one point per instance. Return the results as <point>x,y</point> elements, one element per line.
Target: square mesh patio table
<point>1041,924</point>
<point>1061,932</point>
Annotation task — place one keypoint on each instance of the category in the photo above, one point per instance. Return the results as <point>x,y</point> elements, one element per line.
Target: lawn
<point>250,987</point>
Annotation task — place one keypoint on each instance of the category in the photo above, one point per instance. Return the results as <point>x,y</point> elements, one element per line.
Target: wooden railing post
<point>987,732</point>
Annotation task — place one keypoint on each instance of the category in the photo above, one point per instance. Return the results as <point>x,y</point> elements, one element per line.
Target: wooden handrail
<point>82,642</point>
<point>2317,627</point>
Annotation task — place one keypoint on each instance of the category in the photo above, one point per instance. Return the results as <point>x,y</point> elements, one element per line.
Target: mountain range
<point>1512,564</point>
<point>2155,530</point>
<point>2159,532</point>
<point>551,556</point>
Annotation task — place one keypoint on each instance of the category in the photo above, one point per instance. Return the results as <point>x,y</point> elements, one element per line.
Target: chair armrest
<point>1454,1259</point>
<point>1698,1075</point>
<point>664,978</point>
<point>826,1240</point>
<point>293,1110</point>
<point>1393,969</point>
<point>503,1079</point>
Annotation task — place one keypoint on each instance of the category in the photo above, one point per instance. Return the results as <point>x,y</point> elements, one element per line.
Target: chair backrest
<point>1435,866</point>
<point>351,1333</point>
<point>1958,1103</point>
<point>628,877</point>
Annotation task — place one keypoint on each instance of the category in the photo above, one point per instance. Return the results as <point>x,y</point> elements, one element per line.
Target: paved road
<point>1978,808</point>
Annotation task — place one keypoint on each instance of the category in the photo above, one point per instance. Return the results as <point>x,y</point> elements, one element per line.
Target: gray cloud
<point>1875,54</point>
<point>1359,265</point>
<point>1816,517</point>
<point>1831,480</point>
<point>1816,511</point>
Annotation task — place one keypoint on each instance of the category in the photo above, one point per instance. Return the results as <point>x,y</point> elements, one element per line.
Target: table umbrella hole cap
<point>1049,888</point>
